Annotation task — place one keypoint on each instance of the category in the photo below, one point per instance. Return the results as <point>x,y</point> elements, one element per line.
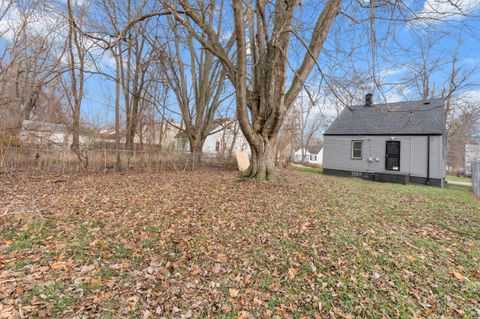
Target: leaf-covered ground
<point>208,244</point>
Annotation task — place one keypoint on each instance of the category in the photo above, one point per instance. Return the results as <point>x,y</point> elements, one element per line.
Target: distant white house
<point>222,137</point>
<point>160,134</point>
<point>313,155</point>
<point>48,134</point>
<point>225,135</point>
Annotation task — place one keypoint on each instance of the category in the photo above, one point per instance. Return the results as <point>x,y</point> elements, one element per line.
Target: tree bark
<point>77,53</point>
<point>27,109</point>
<point>262,166</point>
<point>234,139</point>
<point>196,145</point>
<point>76,128</point>
<point>118,163</point>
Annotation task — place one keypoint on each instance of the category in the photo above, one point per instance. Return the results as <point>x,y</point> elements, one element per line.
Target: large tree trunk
<point>262,165</point>
<point>196,146</point>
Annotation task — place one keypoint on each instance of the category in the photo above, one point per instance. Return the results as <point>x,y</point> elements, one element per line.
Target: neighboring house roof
<point>37,126</point>
<point>220,124</point>
<point>299,151</point>
<point>314,149</point>
<point>401,118</point>
<point>217,125</point>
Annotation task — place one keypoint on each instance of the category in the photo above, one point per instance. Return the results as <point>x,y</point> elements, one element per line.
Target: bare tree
<point>461,130</point>
<point>309,116</point>
<point>111,25</point>
<point>198,85</point>
<point>33,59</point>
<point>132,59</point>
<point>261,94</point>
<point>77,53</point>
<point>134,70</point>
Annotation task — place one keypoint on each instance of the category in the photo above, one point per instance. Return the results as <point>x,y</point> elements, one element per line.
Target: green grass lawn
<point>307,169</point>
<point>459,179</point>
<point>207,244</point>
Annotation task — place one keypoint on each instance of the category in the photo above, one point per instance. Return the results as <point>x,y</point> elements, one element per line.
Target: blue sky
<point>349,52</point>
<point>393,62</point>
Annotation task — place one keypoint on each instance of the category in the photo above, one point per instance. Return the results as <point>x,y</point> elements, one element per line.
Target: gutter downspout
<point>411,157</point>
<point>428,159</point>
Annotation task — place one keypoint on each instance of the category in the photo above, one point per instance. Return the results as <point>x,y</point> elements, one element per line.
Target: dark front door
<point>392,156</point>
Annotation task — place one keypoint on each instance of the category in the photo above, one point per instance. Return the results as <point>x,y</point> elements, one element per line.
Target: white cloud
<point>37,23</point>
<point>440,10</point>
<point>49,24</point>
<point>470,97</point>
<point>393,71</point>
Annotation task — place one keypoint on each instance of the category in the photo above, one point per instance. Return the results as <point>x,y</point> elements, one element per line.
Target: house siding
<point>225,138</point>
<point>413,155</point>
<point>437,163</point>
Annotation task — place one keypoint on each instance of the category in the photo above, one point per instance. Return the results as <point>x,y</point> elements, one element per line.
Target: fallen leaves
<point>95,282</point>
<point>185,245</point>
<point>133,301</point>
<point>233,292</point>
<point>8,312</point>
<point>458,276</point>
<point>222,257</point>
<point>245,315</point>
<point>292,272</point>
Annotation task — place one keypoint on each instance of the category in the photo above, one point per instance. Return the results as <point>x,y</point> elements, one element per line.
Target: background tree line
<point>282,69</point>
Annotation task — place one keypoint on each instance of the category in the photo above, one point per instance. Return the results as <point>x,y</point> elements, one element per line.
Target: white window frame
<point>361,149</point>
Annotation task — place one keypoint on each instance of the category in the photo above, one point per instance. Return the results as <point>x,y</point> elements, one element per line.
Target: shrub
<point>8,140</point>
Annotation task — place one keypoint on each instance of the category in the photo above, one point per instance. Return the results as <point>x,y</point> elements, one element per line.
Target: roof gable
<point>402,118</point>
<point>314,149</point>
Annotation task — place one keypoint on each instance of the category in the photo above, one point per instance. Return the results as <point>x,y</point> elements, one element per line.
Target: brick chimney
<point>368,99</point>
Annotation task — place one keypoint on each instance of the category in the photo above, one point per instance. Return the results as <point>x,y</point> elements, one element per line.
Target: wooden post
<point>476,177</point>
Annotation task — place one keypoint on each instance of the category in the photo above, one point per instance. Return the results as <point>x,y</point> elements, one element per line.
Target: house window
<point>217,146</point>
<point>313,157</point>
<point>357,149</point>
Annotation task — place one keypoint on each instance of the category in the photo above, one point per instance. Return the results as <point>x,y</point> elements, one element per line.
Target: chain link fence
<point>459,168</point>
<point>31,161</point>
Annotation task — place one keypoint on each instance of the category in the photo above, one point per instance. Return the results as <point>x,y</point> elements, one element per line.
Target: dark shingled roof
<point>401,118</point>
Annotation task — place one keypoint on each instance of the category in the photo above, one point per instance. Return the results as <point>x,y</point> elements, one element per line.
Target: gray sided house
<point>396,142</point>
